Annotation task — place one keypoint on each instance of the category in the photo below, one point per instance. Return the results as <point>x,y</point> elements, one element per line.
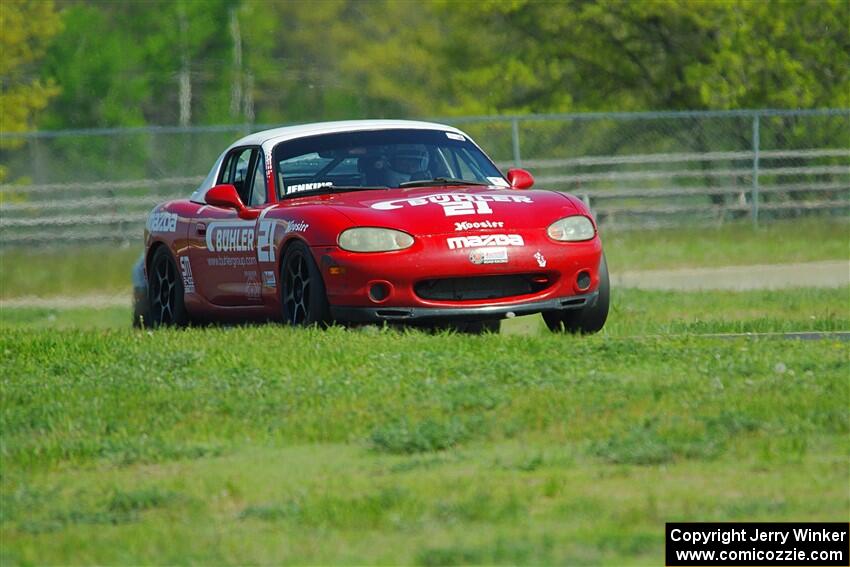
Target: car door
<point>224,244</point>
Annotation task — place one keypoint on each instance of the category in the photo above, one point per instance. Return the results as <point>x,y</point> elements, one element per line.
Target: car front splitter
<point>422,314</point>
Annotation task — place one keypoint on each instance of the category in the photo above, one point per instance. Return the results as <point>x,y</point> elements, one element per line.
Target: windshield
<point>380,159</point>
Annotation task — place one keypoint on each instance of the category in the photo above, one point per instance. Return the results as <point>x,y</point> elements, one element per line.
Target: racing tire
<point>303,298</point>
<point>590,318</point>
<point>165,292</point>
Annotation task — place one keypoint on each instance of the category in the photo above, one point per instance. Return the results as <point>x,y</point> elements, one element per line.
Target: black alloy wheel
<point>165,291</point>
<point>303,297</point>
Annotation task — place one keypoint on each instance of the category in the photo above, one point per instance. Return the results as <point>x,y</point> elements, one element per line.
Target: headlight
<point>374,240</point>
<point>571,229</point>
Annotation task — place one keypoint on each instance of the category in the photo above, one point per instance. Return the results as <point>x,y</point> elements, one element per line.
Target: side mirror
<point>520,178</point>
<point>225,196</point>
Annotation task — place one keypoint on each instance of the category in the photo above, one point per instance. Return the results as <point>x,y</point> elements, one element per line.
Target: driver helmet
<point>403,161</point>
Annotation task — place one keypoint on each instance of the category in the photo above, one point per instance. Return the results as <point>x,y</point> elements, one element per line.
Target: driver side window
<point>258,184</point>
<point>236,172</point>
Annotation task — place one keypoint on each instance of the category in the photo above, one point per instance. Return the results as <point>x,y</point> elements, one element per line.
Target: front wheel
<point>590,318</point>
<point>303,297</point>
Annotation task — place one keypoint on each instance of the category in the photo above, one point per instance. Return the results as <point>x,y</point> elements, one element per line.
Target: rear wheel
<point>589,319</point>
<point>165,291</point>
<point>303,297</point>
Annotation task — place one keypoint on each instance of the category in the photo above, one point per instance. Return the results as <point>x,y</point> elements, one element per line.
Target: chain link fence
<point>634,169</point>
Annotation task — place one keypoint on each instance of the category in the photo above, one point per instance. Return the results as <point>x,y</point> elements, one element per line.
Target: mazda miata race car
<point>370,221</point>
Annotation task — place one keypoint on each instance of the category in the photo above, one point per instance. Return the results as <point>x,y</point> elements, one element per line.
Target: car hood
<point>437,210</point>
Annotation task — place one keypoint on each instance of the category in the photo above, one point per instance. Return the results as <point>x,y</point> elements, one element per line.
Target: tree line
<point>88,64</point>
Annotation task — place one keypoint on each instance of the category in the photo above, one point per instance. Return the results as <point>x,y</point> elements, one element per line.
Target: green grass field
<point>275,445</point>
<point>383,447</point>
<point>267,444</point>
<point>633,312</point>
<point>106,269</point>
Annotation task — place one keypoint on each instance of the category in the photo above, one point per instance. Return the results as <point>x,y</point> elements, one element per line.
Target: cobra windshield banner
<point>757,544</point>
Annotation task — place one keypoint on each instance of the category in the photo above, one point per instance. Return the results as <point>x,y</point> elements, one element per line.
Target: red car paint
<point>233,256</point>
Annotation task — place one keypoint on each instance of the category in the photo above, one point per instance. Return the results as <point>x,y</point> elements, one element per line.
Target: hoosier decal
<point>295,226</point>
<point>466,225</point>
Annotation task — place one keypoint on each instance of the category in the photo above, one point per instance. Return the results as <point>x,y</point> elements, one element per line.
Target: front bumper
<point>425,314</point>
<point>405,274</point>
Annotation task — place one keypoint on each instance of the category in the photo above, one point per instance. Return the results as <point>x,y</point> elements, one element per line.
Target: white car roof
<point>268,138</point>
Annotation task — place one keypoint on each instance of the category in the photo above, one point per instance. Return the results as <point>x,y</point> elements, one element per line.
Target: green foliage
<point>778,54</point>
<point>543,57</point>
<point>271,62</point>
<point>97,69</point>
<point>118,63</point>
<point>26,27</point>
<point>678,55</point>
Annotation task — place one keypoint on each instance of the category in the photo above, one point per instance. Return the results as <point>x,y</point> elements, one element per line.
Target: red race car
<point>370,221</point>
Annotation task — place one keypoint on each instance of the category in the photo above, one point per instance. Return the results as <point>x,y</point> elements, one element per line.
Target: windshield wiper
<point>439,181</point>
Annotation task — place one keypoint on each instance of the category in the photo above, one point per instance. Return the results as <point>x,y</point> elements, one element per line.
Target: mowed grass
<point>633,312</point>
<point>266,444</point>
<point>106,269</point>
<point>733,244</point>
<point>66,271</point>
<point>277,445</point>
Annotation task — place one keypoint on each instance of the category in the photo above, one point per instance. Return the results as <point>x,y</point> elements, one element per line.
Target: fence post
<point>515,141</point>
<point>755,196</point>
